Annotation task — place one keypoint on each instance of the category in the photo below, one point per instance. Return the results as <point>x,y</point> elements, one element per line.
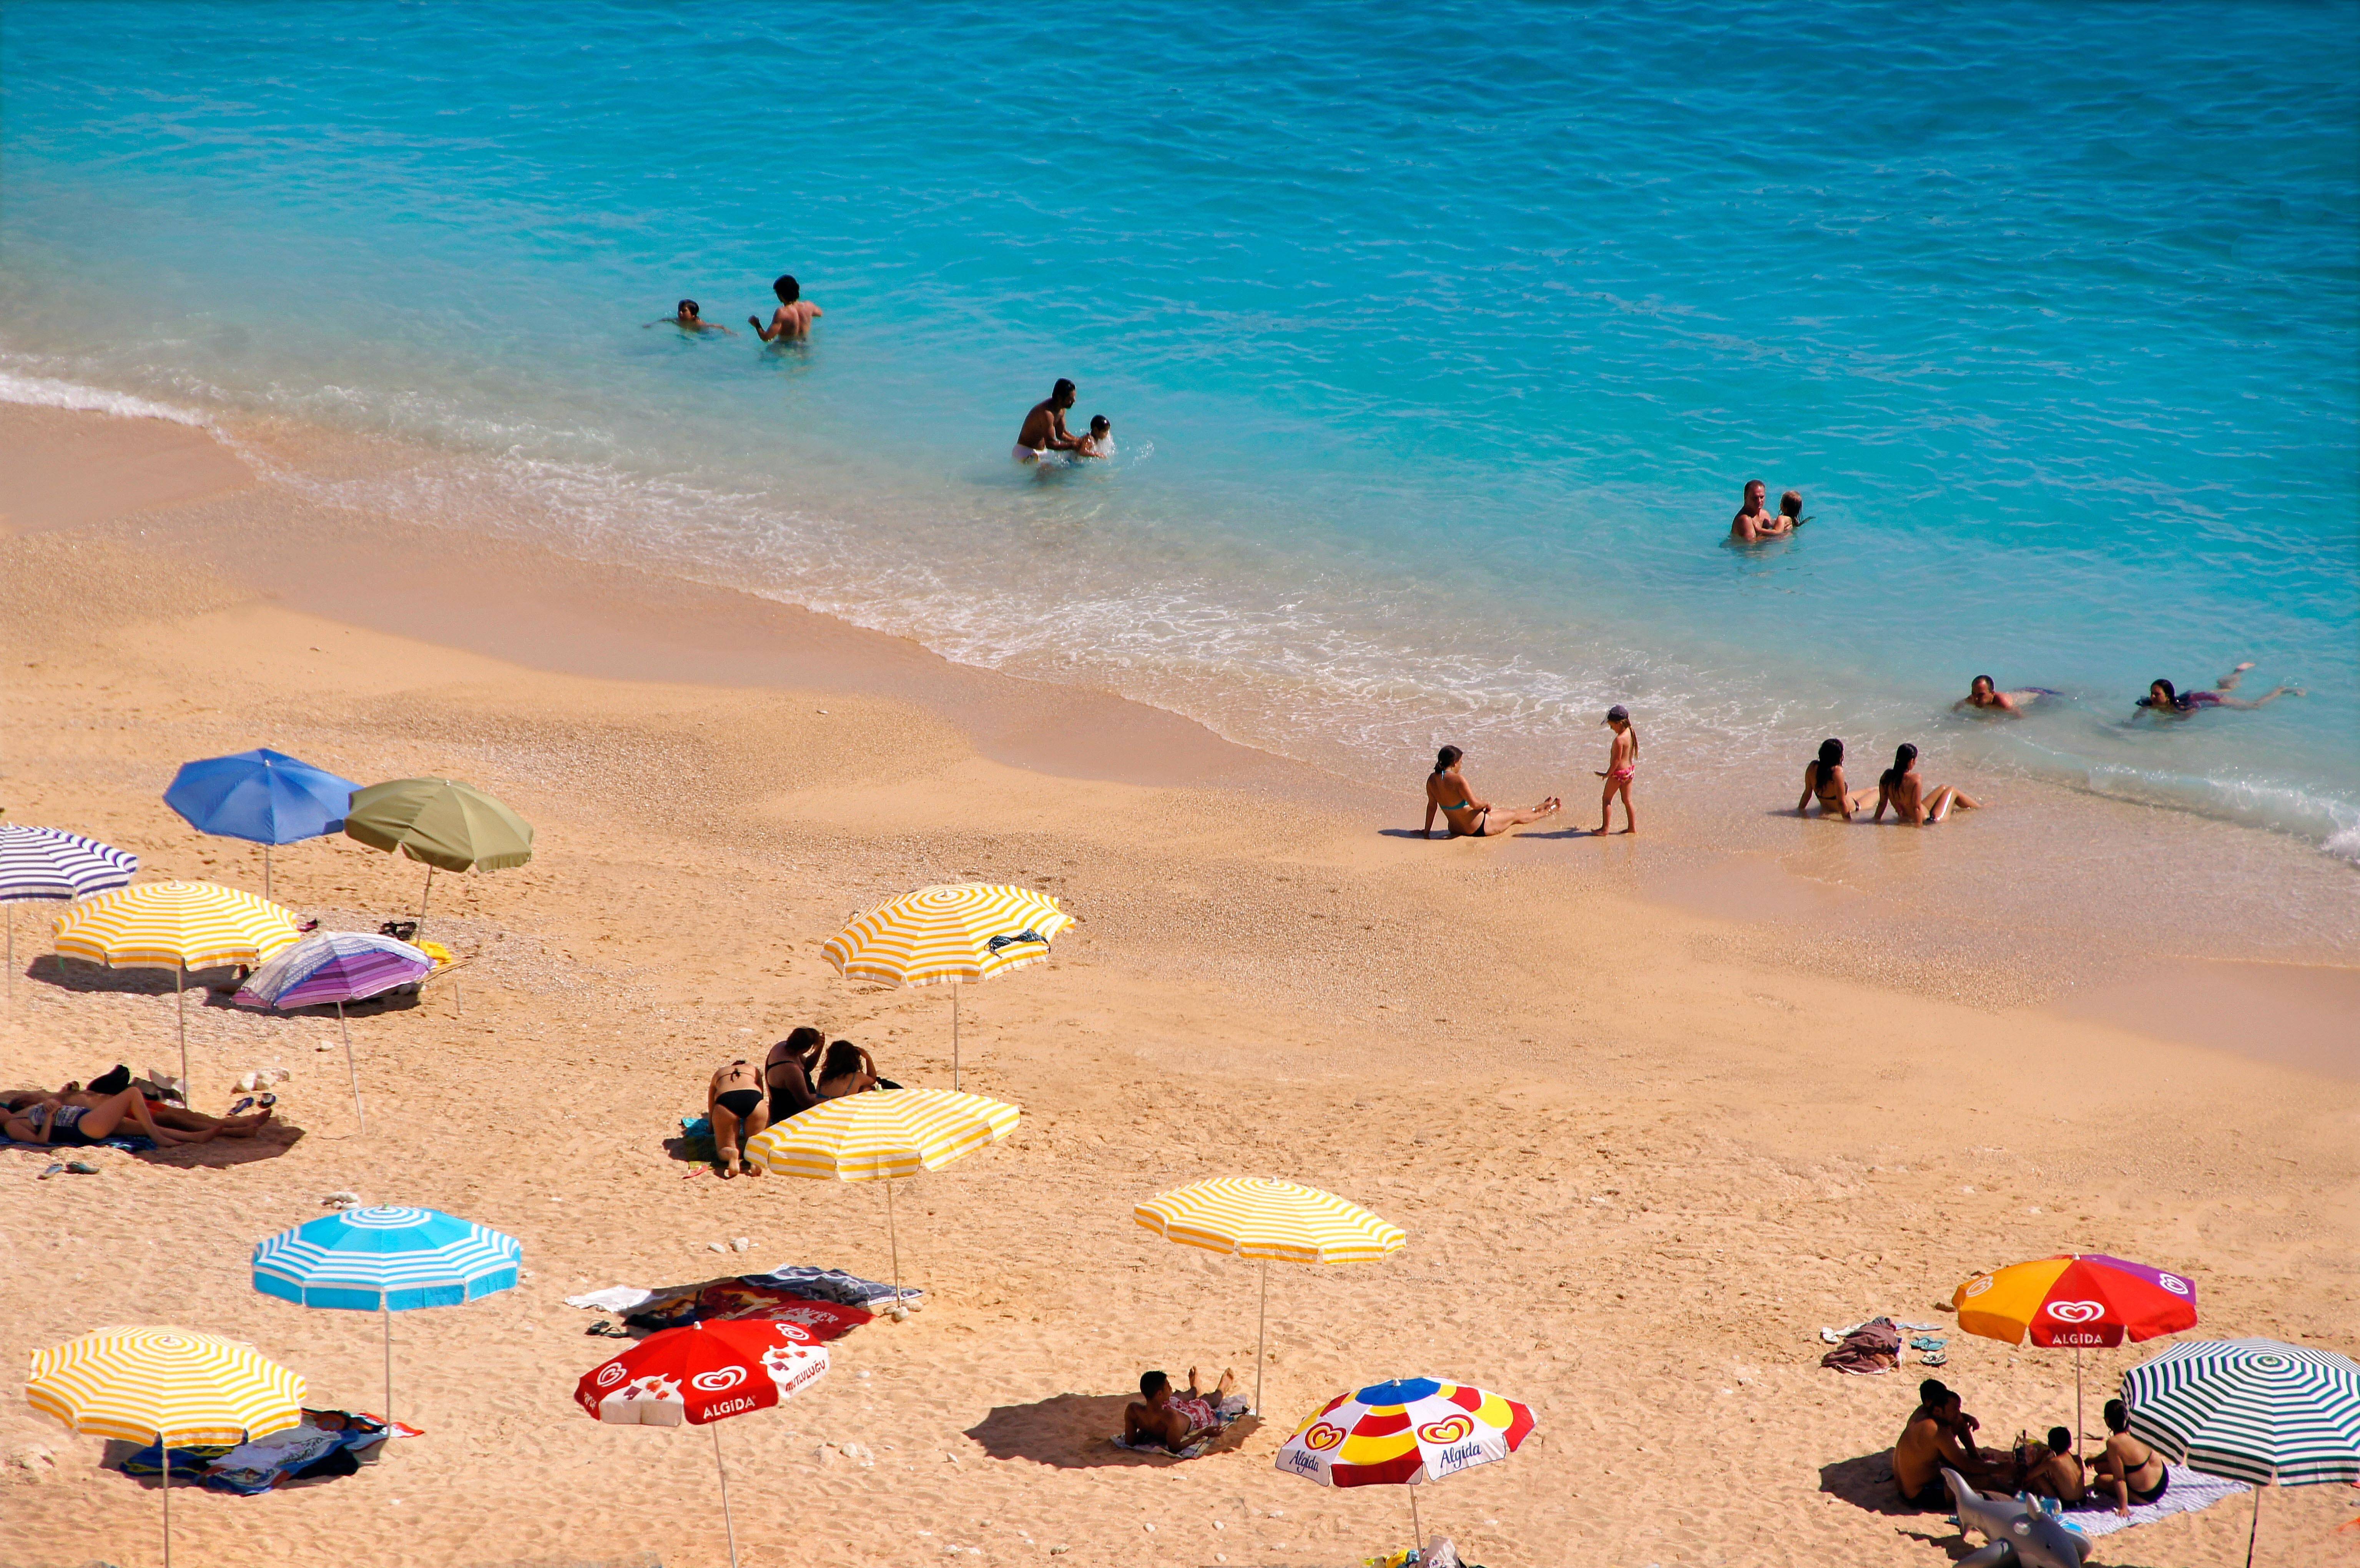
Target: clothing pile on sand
<point>325,1443</point>
<point>817,1304</point>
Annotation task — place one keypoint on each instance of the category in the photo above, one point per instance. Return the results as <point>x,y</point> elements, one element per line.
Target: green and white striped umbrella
<point>2251,1409</point>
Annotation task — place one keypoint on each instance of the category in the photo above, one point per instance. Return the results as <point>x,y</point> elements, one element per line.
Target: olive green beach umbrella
<point>449,825</point>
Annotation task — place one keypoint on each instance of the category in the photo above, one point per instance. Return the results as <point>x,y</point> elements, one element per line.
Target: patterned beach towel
<point>2185,1492</point>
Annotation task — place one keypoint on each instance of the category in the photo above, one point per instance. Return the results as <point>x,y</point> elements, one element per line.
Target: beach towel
<point>324,1444</point>
<point>832,1285</point>
<point>130,1142</point>
<point>2185,1491</point>
<point>800,1319</point>
<point>798,1286</point>
<point>1228,1410</point>
<point>1872,1347</point>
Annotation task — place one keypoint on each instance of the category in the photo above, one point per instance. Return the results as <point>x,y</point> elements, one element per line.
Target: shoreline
<point>1635,1112</point>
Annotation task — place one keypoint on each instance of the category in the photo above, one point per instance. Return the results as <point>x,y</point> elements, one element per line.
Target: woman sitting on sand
<point>2162,699</point>
<point>735,1105</point>
<point>787,1072</point>
<point>1446,790</point>
<point>1824,781</point>
<point>848,1071</point>
<point>1984,695</point>
<point>1901,788</point>
<point>46,1118</point>
<point>2127,1467</point>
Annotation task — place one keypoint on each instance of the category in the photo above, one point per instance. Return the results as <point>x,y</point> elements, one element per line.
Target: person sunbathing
<point>737,1108</point>
<point>2127,1467</point>
<point>49,1120</point>
<point>164,1113</point>
<point>1901,787</point>
<point>1173,1419</point>
<point>1939,1433</point>
<point>2052,1469</point>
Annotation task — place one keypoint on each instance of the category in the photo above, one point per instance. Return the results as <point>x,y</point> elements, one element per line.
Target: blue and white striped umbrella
<point>2252,1409</point>
<point>386,1261</point>
<point>53,865</point>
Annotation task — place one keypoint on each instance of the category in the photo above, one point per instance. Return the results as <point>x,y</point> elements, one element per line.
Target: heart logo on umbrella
<point>2077,1312</point>
<point>2172,1284</point>
<point>612,1373</point>
<point>1322,1437</point>
<point>1448,1431</point>
<point>720,1381</point>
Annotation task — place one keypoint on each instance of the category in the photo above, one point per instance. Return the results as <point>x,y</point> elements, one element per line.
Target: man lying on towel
<point>1173,1419</point>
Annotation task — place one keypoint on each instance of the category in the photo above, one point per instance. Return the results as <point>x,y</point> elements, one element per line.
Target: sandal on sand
<point>53,1170</point>
<point>82,1168</point>
<point>606,1330</point>
<point>243,1105</point>
<point>267,1101</point>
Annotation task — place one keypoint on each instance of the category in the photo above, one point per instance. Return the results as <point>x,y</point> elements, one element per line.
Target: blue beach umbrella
<point>386,1261</point>
<point>50,865</point>
<point>264,797</point>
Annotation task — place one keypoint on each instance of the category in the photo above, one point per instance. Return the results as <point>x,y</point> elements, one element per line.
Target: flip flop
<point>241,1105</point>
<point>52,1171</point>
<point>82,1168</point>
<point>267,1101</point>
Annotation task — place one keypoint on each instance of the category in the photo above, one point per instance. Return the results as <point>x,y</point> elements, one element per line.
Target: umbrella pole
<point>1261,1334</point>
<point>1416,1530</point>
<point>12,952</point>
<point>955,1065</point>
<point>424,900</point>
<point>266,870</point>
<point>345,1030</point>
<point>180,1000</point>
<point>385,1309</point>
<point>724,1474</point>
<point>893,1241</point>
<point>164,1446</point>
<point>2079,1436</point>
<point>2254,1531</point>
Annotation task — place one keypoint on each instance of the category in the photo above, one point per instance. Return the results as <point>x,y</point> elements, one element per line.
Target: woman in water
<point>1900,787</point>
<point>1824,781</point>
<point>2161,699</point>
<point>1984,695</point>
<point>1447,791</point>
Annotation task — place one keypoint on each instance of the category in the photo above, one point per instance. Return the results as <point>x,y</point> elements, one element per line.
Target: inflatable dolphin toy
<point>2018,1535</point>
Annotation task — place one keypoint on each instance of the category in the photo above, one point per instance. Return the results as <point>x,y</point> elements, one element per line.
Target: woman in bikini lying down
<point>1447,791</point>
<point>48,1119</point>
<point>1901,788</point>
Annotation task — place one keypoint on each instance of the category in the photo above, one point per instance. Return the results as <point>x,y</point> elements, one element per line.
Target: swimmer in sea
<point>795,316</point>
<point>1044,425</point>
<point>1901,788</point>
<point>686,318</point>
<point>1099,442</point>
<point>1447,791</point>
<point>1753,522</point>
<point>2162,700</point>
<point>1984,693</point>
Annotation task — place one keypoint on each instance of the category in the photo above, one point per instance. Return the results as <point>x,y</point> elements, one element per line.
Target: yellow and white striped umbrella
<point>1269,1221</point>
<point>1283,1222</point>
<point>883,1135</point>
<point>954,934</point>
<point>183,925</point>
<point>142,1385</point>
<point>165,1386</point>
<point>180,925</point>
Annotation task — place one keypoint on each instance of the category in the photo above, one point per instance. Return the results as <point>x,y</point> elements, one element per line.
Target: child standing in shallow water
<point>1622,766</point>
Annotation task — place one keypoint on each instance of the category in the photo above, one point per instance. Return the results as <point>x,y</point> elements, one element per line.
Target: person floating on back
<point>1622,766</point>
<point>1044,429</point>
<point>688,318</point>
<point>2163,700</point>
<point>795,316</point>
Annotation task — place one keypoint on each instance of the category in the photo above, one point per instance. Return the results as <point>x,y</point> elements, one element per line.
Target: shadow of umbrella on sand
<point>447,825</point>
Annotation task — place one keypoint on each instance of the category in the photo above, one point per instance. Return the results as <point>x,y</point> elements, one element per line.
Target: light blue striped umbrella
<point>385,1261</point>
<point>2252,1409</point>
<point>53,865</point>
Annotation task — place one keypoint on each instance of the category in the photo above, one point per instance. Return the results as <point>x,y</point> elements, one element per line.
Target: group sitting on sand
<point>1940,1435</point>
<point>742,1100</point>
<point>1899,788</point>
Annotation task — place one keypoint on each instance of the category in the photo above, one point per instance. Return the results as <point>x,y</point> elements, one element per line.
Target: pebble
<point>715,1246</point>
<point>741,1244</point>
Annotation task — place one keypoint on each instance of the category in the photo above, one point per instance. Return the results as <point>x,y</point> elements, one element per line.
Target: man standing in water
<point>1753,523</point>
<point>1044,427</point>
<point>794,315</point>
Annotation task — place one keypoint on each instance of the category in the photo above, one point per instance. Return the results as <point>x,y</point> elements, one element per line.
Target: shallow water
<point>1439,344</point>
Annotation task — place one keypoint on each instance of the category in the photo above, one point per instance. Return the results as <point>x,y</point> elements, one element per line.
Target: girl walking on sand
<point>1622,766</point>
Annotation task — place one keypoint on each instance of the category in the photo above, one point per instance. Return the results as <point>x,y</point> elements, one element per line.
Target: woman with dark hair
<point>787,1072</point>
<point>2164,698</point>
<point>1900,787</point>
<point>735,1106</point>
<point>1448,791</point>
<point>2130,1468</point>
<point>1824,781</point>
<point>48,1118</point>
<point>848,1071</point>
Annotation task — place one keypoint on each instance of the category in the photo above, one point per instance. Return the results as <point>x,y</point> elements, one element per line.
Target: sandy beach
<point>1645,1139</point>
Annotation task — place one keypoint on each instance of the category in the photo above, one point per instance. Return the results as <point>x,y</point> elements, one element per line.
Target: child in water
<point>1099,442</point>
<point>688,317</point>
<point>1622,766</point>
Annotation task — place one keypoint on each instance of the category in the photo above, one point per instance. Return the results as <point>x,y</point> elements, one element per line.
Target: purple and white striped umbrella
<point>50,864</point>
<point>328,967</point>
<point>337,967</point>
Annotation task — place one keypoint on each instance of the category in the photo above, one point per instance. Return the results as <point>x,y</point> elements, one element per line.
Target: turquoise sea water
<point>1438,341</point>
